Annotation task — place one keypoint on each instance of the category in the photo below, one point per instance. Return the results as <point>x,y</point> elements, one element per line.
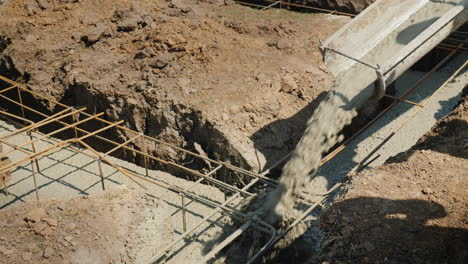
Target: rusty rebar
<point>237,169</point>
<point>101,174</point>
<point>298,5</point>
<point>185,193</point>
<point>35,181</point>
<point>184,211</point>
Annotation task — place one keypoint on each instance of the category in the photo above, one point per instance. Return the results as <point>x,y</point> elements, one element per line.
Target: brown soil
<point>91,229</point>
<point>224,76</point>
<point>412,209</point>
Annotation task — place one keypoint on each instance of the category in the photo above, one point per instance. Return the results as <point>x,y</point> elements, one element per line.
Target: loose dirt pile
<point>411,210</point>
<point>238,82</point>
<point>112,227</point>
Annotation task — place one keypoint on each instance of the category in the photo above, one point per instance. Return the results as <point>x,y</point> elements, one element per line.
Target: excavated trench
<point>178,124</point>
<point>171,122</point>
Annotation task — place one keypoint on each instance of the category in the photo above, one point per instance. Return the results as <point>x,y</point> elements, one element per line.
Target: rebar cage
<point>39,132</point>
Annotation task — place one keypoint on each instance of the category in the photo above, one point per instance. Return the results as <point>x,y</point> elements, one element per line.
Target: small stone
<point>184,85</point>
<point>225,116</point>
<point>30,8</point>
<point>39,228</point>
<point>70,226</point>
<point>288,84</point>
<point>95,34</point>
<point>89,19</point>
<point>35,215</point>
<point>262,78</point>
<point>6,251</point>
<point>279,44</point>
<point>48,252</point>
<point>276,85</point>
<point>43,4</point>
<point>427,191</point>
<point>162,60</point>
<point>172,12</point>
<point>368,246</point>
<point>234,109</point>
<point>150,51</point>
<point>121,13</point>
<point>347,219</point>
<point>50,222</point>
<point>132,101</point>
<point>141,55</point>
<point>32,246</point>
<point>129,24</point>
<point>147,20</point>
<point>26,256</point>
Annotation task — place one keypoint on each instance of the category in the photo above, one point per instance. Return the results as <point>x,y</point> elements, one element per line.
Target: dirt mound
<point>107,228</point>
<point>411,210</point>
<point>239,82</point>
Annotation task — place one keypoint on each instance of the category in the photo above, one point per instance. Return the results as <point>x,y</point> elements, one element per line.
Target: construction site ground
<point>126,219</point>
<point>409,210</point>
<point>239,83</point>
<point>412,209</point>
<point>231,83</point>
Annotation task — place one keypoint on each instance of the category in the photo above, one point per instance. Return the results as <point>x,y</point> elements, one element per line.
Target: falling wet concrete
<point>439,105</point>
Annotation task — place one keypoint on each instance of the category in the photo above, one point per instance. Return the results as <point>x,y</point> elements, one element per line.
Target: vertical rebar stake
<point>184,220</point>
<point>75,120</point>
<point>145,150</point>
<point>34,150</point>
<point>101,174</point>
<point>20,98</point>
<point>35,182</point>
<point>5,188</point>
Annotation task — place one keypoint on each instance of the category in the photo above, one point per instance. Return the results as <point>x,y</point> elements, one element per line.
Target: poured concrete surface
<point>441,104</point>
<point>67,174</point>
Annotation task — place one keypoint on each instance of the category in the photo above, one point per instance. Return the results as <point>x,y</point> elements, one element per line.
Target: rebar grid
<point>32,127</point>
<point>274,3</point>
<point>79,116</point>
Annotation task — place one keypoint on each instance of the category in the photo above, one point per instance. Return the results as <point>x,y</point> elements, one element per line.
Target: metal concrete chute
<point>368,54</point>
<point>393,34</point>
<point>364,32</point>
<point>385,40</point>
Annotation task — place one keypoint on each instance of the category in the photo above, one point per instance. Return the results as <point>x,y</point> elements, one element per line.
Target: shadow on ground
<point>278,138</point>
<point>449,136</point>
<point>377,230</point>
<point>415,211</point>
